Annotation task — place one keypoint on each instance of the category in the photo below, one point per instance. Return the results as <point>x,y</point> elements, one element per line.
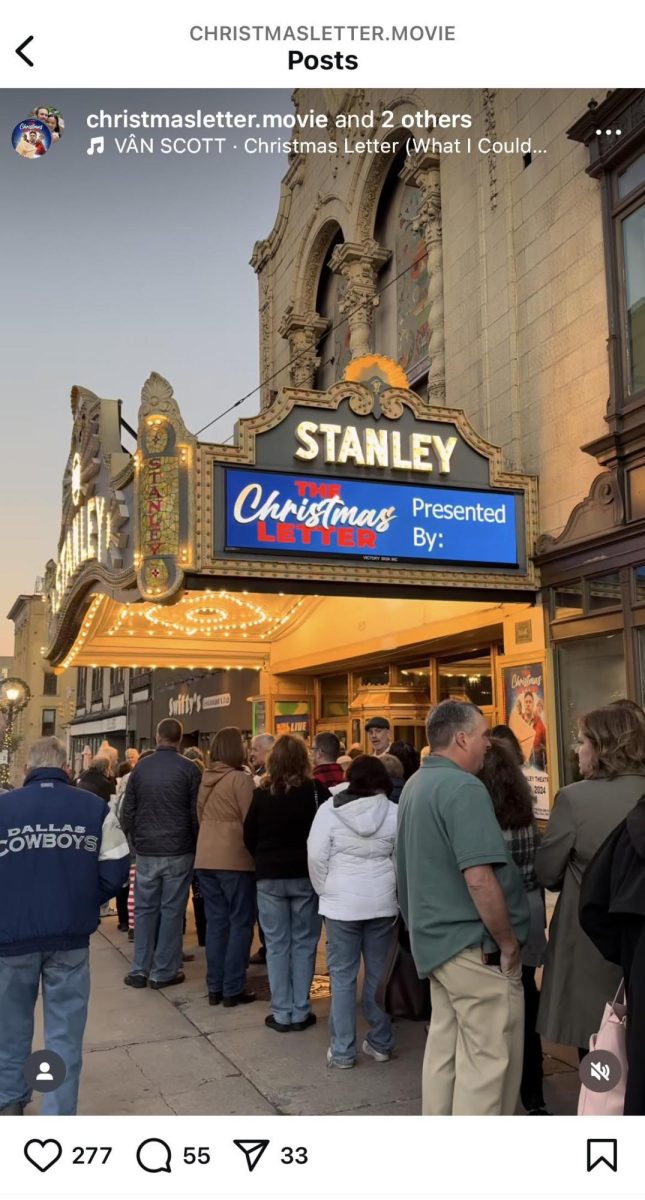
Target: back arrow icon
<point>20,48</point>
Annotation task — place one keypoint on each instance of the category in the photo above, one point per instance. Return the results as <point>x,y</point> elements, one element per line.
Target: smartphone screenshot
<point>322,658</point>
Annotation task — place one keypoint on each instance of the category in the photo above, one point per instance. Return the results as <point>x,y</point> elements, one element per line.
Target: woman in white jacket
<point>351,851</point>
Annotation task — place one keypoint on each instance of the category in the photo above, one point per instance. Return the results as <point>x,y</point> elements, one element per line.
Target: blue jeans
<point>289,917</point>
<point>65,978</point>
<point>229,900</point>
<point>160,897</point>
<point>346,942</point>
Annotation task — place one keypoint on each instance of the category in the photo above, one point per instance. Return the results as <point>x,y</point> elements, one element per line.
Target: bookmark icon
<point>96,146</point>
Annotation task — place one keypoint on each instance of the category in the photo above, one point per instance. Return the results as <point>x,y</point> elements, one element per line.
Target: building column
<point>422,171</point>
<point>303,331</point>
<point>359,265</point>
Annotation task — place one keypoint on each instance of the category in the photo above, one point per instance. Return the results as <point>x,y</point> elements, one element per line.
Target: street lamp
<point>14,696</point>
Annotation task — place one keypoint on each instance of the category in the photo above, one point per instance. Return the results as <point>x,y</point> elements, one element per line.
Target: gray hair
<point>46,752</point>
<point>265,740</point>
<point>393,765</point>
<point>448,719</point>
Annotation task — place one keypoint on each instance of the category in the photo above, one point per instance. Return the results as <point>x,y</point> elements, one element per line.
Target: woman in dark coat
<point>578,981</point>
<point>513,803</point>
<point>612,914</point>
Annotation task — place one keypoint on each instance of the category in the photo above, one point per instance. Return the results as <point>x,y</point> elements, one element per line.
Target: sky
<point>114,266</point>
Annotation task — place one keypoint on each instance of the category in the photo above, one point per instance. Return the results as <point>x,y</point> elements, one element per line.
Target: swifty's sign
<point>370,475</point>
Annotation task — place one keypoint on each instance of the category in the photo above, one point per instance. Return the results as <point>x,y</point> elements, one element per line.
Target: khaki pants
<point>473,1058</point>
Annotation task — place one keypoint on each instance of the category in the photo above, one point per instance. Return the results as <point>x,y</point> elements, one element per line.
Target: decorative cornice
<point>600,512</point>
<point>622,109</point>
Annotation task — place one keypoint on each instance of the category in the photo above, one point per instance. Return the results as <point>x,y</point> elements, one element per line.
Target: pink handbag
<point>610,1037</point>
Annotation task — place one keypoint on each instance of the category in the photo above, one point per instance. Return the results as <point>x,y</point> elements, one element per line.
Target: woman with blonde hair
<point>577,981</point>
<point>226,869</point>
<point>275,833</point>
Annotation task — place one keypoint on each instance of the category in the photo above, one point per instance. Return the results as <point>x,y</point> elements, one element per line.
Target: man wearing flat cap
<point>379,735</point>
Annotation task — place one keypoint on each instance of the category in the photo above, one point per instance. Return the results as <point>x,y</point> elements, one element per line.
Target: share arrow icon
<point>252,1151</point>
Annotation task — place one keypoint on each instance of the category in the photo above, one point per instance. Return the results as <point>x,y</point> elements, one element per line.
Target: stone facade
<point>516,293</point>
<point>52,701</point>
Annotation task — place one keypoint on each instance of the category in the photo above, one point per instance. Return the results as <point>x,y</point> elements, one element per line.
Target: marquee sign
<point>377,522</point>
<point>165,457</point>
<point>370,475</point>
<point>94,540</point>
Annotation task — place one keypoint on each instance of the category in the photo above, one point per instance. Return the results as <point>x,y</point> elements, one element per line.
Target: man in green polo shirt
<point>464,903</point>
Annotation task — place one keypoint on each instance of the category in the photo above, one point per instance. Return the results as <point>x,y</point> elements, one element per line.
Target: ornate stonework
<point>303,332</point>
<point>422,171</point>
<point>490,128</point>
<point>359,265</point>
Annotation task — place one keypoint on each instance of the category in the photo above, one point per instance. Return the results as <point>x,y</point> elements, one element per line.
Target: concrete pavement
<point>165,1052</point>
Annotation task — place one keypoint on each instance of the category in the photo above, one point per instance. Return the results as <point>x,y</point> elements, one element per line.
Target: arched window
<point>401,318</point>
<point>333,349</point>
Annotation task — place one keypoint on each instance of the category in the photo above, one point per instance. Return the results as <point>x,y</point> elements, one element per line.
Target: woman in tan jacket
<point>226,870</point>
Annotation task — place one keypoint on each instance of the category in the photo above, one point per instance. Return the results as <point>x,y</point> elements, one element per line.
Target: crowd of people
<point>290,840</point>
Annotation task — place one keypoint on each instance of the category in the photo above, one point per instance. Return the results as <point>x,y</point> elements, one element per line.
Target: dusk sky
<point>114,266</point>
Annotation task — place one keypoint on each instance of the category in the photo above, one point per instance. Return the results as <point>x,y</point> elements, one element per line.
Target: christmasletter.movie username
<point>303,132</point>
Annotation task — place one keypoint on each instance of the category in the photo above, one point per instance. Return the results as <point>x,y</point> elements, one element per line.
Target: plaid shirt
<point>522,845</point>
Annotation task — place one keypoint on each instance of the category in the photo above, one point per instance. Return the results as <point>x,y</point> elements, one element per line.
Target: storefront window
<point>377,677</point>
<point>417,677</point>
<point>639,584</point>
<point>568,601</point>
<point>591,673</point>
<point>333,696</point>
<point>605,592</point>
<point>634,257</point>
<point>468,678</point>
<point>632,177</point>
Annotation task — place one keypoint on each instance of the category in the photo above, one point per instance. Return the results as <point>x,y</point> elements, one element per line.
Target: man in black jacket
<point>159,815</point>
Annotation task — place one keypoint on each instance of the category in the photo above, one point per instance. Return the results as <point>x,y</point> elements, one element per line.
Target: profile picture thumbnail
<point>31,138</point>
<point>52,118</point>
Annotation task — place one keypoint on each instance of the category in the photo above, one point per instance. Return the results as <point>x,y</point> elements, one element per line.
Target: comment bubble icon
<point>154,1155</point>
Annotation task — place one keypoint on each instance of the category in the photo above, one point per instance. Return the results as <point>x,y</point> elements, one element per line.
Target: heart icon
<point>43,1155</point>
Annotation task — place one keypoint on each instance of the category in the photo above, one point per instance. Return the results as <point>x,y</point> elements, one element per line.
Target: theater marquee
<point>370,476</point>
<point>364,487</point>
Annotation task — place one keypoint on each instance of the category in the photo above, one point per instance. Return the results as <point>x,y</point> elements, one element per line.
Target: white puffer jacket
<point>351,850</point>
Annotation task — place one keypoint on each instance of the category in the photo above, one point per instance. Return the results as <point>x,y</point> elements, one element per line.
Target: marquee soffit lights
<point>206,614</point>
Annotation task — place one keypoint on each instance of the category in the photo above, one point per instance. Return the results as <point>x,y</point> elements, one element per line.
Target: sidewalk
<point>166,1052</point>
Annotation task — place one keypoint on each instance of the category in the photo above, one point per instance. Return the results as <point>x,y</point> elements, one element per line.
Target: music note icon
<point>96,146</point>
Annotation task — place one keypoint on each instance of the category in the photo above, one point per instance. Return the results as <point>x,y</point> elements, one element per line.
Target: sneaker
<point>241,998</point>
<point>136,981</point>
<point>279,1026</point>
<point>130,935</point>
<point>164,983</point>
<point>309,1020</point>
<point>377,1055</point>
<point>331,1062</point>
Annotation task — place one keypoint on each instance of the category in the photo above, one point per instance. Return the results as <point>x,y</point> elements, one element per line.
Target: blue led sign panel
<point>387,522</point>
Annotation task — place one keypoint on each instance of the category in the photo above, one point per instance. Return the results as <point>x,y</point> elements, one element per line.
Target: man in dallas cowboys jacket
<point>62,854</point>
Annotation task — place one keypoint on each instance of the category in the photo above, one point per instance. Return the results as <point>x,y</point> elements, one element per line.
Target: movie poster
<point>523,689</point>
<point>292,716</point>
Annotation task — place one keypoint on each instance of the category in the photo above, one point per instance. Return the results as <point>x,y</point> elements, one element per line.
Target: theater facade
<point>355,552</point>
<point>436,334</point>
